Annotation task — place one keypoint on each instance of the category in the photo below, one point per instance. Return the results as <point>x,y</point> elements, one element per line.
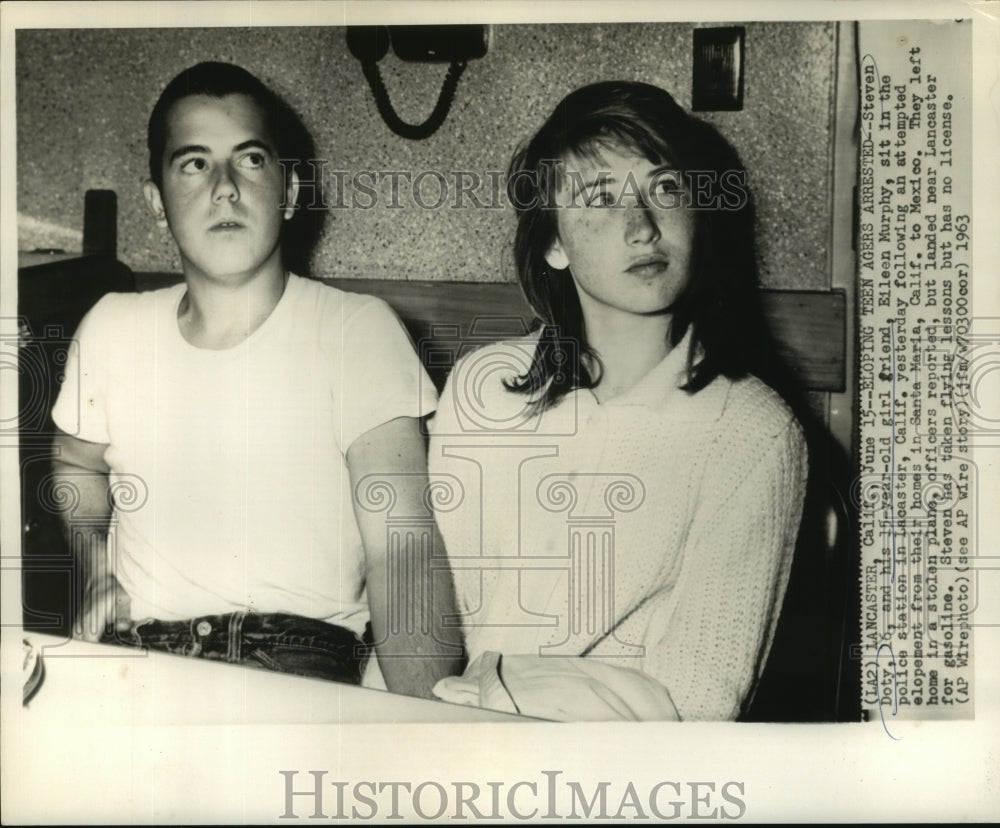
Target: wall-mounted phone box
<point>442,44</point>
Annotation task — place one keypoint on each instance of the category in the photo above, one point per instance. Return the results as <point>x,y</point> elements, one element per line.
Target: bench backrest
<point>443,317</point>
<point>809,326</point>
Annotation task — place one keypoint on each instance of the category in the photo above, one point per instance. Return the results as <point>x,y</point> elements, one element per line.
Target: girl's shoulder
<point>754,408</point>
<point>479,386</point>
<point>504,360</point>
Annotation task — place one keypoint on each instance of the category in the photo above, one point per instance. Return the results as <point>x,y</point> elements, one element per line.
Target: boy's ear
<point>556,257</point>
<point>152,194</point>
<point>291,194</point>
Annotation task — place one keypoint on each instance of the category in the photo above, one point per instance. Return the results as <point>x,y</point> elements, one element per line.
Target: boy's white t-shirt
<point>229,471</point>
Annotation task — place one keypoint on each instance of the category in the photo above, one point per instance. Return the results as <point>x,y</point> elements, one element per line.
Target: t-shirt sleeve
<point>720,619</point>
<point>381,376</point>
<point>80,408</point>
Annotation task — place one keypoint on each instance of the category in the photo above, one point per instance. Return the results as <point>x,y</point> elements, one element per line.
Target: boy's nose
<point>225,186</point>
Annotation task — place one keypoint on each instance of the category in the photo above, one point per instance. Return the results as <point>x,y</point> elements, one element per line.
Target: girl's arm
<point>708,638</point>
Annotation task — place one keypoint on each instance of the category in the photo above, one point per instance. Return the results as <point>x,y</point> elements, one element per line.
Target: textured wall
<point>83,97</point>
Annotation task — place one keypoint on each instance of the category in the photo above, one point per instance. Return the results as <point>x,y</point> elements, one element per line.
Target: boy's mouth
<point>226,225</point>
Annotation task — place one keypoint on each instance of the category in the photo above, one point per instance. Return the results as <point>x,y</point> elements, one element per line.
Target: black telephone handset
<point>427,44</point>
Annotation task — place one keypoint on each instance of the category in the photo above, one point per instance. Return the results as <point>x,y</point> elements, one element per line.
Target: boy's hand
<point>79,465</point>
<point>105,606</point>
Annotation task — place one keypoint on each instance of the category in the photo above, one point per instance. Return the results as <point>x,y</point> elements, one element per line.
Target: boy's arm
<point>80,481</point>
<point>408,600</point>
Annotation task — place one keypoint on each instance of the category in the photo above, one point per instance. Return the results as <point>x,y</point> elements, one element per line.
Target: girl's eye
<point>601,198</point>
<point>252,161</point>
<point>194,165</point>
<point>668,185</point>
<point>667,191</point>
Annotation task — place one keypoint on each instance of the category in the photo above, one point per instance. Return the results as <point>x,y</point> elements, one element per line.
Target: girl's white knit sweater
<point>654,531</point>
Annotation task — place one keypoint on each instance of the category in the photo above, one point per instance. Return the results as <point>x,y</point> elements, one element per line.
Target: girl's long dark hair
<point>720,305</point>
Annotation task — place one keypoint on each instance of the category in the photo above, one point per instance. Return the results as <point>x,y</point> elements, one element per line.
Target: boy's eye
<point>194,165</point>
<point>252,161</point>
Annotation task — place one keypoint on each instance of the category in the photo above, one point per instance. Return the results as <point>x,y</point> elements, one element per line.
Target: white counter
<point>104,684</point>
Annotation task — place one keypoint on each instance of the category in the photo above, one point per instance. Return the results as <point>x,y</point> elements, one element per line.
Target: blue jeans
<point>280,642</point>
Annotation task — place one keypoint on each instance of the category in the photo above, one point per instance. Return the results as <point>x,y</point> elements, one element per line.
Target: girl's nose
<point>640,226</point>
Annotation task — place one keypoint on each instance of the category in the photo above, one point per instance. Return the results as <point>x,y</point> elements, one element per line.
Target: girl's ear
<point>556,258</point>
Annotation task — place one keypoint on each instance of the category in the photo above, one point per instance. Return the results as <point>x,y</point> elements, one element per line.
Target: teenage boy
<point>231,428</point>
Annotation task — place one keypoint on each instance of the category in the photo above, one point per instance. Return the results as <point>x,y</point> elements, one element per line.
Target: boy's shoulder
<point>328,300</point>
<point>118,312</point>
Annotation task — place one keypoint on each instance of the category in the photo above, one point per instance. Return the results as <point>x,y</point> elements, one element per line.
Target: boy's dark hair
<point>292,141</point>
<point>720,303</point>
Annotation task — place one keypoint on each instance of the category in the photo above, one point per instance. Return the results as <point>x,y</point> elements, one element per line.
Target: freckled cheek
<point>582,230</point>
<point>589,220</point>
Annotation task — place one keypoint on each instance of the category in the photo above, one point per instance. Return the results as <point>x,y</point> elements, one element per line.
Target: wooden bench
<point>809,326</point>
